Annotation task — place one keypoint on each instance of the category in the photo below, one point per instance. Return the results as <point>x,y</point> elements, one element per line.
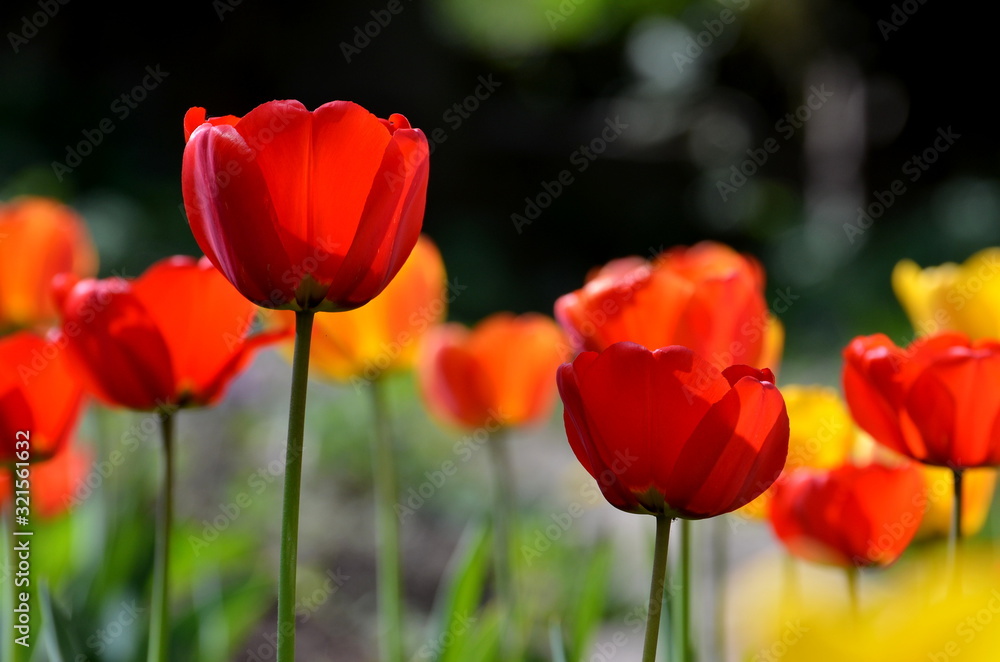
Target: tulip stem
<point>389,570</point>
<point>292,489</point>
<point>955,536</point>
<point>853,574</point>
<point>684,613</point>
<point>503,495</point>
<point>656,586</point>
<point>159,626</point>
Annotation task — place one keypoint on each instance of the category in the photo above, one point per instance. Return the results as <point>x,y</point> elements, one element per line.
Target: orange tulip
<point>39,395</point>
<point>39,238</point>
<point>382,336</point>
<point>708,298</point>
<point>499,373</point>
<point>174,337</point>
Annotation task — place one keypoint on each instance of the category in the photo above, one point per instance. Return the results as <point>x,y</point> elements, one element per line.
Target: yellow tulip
<point>904,614</point>
<point>977,495</point>
<point>821,435</point>
<point>952,297</point>
<point>383,335</point>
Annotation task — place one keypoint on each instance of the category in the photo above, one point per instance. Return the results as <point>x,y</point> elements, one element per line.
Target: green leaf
<point>589,600</point>
<point>556,643</point>
<point>61,643</point>
<point>462,593</point>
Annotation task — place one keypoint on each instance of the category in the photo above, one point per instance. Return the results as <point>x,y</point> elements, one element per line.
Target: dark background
<point>655,186</point>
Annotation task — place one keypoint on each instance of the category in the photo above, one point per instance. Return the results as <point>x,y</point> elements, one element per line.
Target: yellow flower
<point>383,335</point>
<point>906,614</point>
<point>977,495</point>
<point>953,297</point>
<point>822,435</point>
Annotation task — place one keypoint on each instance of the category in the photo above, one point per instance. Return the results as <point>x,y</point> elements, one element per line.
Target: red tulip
<point>498,373</point>
<point>937,401</point>
<point>708,298</point>
<point>665,433</point>
<point>305,210</point>
<point>39,238</point>
<point>860,516</point>
<point>53,482</point>
<point>39,394</point>
<point>173,337</point>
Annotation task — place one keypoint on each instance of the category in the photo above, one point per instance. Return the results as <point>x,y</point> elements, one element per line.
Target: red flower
<point>305,210</point>
<point>39,394</point>
<point>173,337</point>
<point>665,433</point>
<point>498,373</point>
<point>937,401</point>
<point>860,516</point>
<point>53,482</point>
<point>708,298</point>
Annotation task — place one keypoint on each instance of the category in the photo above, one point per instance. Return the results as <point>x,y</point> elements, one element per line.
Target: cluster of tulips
<point>670,403</point>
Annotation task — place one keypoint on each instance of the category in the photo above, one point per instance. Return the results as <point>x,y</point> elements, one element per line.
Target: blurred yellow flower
<point>383,335</point>
<point>822,435</point>
<point>905,614</point>
<point>954,297</point>
<point>977,495</point>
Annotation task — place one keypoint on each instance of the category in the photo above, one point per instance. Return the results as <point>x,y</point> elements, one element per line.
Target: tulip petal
<point>735,453</point>
<point>123,355</point>
<point>389,224</point>
<point>233,218</point>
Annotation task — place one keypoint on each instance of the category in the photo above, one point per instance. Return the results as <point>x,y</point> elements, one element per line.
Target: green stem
<point>389,570</point>
<point>853,574</point>
<point>955,537</point>
<point>684,615</point>
<point>159,624</point>
<point>656,584</point>
<point>720,563</point>
<point>293,482</point>
<point>503,502</point>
